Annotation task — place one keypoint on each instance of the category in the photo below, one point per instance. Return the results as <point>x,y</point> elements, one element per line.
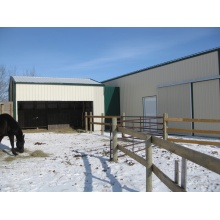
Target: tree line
<point>5,77</point>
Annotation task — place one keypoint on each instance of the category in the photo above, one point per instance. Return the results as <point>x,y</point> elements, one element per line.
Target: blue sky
<point>99,53</point>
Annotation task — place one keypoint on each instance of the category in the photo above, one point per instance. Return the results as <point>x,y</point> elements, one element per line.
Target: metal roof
<point>165,63</point>
<point>51,80</point>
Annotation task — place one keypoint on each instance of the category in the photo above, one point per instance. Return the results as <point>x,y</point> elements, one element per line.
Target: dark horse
<point>9,127</point>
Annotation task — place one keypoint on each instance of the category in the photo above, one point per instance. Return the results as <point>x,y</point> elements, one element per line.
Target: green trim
<point>166,63</point>
<point>112,100</point>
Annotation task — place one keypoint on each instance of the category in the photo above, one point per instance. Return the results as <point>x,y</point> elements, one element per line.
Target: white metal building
<point>186,87</point>
<point>43,102</point>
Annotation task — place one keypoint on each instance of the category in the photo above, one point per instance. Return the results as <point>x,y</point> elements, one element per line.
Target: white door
<point>150,105</point>
<point>150,109</point>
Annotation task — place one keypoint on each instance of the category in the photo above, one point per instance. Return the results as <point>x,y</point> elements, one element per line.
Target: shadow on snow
<point>88,185</point>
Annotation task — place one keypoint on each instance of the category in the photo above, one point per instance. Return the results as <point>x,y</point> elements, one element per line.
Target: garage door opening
<point>53,114</point>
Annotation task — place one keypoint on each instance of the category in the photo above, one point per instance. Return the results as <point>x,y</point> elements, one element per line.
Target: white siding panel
<point>35,92</point>
<point>98,105</point>
<point>32,92</point>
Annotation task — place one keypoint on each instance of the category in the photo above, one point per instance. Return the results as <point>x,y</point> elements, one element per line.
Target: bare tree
<point>30,72</point>
<point>4,80</point>
<point>5,76</point>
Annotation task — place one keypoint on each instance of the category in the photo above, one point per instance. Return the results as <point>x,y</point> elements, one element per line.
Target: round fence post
<point>114,137</point>
<point>102,125</point>
<point>86,122</point>
<point>165,135</point>
<point>148,147</point>
<point>184,173</point>
<point>123,123</point>
<point>176,173</point>
<point>90,124</point>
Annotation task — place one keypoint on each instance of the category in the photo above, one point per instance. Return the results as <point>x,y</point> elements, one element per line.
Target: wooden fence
<point>89,121</point>
<point>157,126</point>
<point>204,132</point>
<point>209,162</point>
<point>6,107</point>
<point>146,124</point>
<point>118,125</point>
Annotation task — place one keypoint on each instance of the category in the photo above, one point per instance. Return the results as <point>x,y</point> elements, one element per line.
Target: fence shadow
<point>89,176</point>
<point>6,149</point>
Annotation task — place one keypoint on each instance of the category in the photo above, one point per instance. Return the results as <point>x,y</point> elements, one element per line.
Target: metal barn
<point>186,87</point>
<point>41,102</point>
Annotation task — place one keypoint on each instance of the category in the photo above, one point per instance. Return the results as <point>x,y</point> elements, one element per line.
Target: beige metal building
<point>53,102</point>
<point>186,87</point>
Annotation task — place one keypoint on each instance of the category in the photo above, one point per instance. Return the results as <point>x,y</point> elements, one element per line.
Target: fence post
<point>148,147</point>
<point>123,123</point>
<point>165,125</point>
<point>90,121</point>
<point>86,122</point>
<point>102,125</point>
<point>183,173</point>
<point>2,108</point>
<point>176,174</point>
<point>140,124</point>
<point>114,137</point>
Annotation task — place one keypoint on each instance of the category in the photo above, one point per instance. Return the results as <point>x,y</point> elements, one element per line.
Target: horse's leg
<point>11,137</point>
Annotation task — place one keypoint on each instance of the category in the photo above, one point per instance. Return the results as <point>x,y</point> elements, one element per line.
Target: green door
<point>112,103</point>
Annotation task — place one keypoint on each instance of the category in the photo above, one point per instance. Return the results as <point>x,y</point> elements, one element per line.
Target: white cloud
<point>134,49</point>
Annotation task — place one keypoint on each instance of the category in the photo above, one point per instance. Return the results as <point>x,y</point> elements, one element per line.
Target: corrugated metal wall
<point>40,92</point>
<point>206,99</point>
<point>145,83</point>
<point>34,92</point>
<point>176,101</point>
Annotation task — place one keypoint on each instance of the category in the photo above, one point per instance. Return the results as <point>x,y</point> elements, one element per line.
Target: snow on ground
<point>79,162</point>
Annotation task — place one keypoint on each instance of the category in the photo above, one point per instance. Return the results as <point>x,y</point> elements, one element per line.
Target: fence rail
<point>209,162</point>
<point>204,160</point>
<point>168,130</point>
<point>126,125</point>
<point>150,167</point>
<point>192,120</point>
<point>157,126</point>
<point>146,124</point>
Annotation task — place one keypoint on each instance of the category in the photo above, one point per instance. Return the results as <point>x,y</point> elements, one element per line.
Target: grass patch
<point>1,153</point>
<point>36,153</point>
<point>27,151</point>
<point>39,153</point>
<point>9,159</point>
